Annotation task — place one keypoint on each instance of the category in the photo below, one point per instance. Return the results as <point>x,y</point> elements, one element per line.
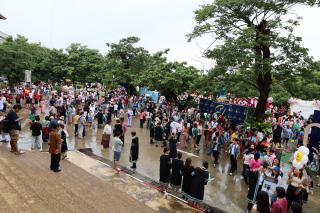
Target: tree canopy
<point>256,55</point>
<point>256,42</point>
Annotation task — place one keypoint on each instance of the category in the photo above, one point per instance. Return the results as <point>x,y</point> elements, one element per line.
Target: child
<point>117,148</point>
<point>64,146</point>
<point>36,129</point>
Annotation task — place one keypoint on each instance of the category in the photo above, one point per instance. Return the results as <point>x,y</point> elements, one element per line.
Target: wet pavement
<point>224,192</point>
<point>129,184</point>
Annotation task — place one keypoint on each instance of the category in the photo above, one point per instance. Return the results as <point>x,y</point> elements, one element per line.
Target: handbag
<point>297,192</point>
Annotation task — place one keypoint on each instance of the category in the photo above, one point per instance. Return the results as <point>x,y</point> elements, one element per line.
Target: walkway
<point>27,185</point>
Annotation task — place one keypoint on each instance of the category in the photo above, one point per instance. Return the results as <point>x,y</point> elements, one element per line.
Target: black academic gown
<point>158,133</point>
<point>117,129</point>
<point>187,180</point>
<point>134,150</point>
<point>64,146</point>
<point>165,165</point>
<point>173,148</point>
<point>177,170</point>
<point>199,180</point>
<point>277,134</point>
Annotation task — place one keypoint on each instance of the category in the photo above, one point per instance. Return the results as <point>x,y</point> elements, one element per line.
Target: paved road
<point>224,192</point>
<point>27,185</point>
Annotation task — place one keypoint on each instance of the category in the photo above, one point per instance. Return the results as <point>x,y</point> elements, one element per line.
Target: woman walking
<point>184,136</point>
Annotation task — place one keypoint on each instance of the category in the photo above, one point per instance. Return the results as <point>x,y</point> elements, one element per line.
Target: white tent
<point>304,108</point>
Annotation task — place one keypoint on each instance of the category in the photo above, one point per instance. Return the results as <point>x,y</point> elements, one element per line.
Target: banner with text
<point>235,113</point>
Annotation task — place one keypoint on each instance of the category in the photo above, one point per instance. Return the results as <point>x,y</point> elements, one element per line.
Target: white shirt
<point>260,136</point>
<point>199,130</point>
<point>115,107</point>
<point>107,129</point>
<point>1,104</point>
<point>174,126</point>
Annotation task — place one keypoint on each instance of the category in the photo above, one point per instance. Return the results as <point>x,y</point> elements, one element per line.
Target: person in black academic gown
<point>177,171</point>
<point>187,178</point>
<point>277,135</point>
<point>134,150</point>
<point>200,177</point>
<point>173,146</point>
<point>158,134</point>
<point>165,165</point>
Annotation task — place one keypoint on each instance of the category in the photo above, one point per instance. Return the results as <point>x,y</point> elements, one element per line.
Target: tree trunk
<point>264,84</point>
<point>263,68</point>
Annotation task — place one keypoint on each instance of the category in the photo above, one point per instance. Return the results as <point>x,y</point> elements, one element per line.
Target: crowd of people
<point>259,151</point>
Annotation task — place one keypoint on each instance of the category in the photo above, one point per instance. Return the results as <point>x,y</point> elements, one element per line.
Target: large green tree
<point>128,62</point>
<point>83,64</point>
<point>169,78</point>
<point>255,40</point>
<point>15,57</point>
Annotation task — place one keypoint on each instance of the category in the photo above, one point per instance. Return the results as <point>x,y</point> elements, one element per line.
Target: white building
<point>3,36</point>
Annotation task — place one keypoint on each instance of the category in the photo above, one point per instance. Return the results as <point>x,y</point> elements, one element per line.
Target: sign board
<point>27,76</point>
<point>269,186</point>
<point>236,114</point>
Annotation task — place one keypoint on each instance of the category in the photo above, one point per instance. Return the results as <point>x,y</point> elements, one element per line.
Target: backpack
<point>7,125</point>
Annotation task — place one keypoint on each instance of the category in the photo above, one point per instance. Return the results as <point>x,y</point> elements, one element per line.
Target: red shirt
<point>253,164</point>
<point>280,206</point>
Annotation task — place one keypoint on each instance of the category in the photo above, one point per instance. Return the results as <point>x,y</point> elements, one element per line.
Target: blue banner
<point>235,113</point>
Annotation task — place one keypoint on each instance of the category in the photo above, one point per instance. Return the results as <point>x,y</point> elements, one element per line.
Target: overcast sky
<point>160,24</point>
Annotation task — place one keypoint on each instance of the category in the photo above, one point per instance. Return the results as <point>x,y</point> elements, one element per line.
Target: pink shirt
<point>280,206</point>
<point>253,164</point>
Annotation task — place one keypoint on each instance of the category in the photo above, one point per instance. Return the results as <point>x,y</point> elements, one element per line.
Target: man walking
<point>234,151</point>
<point>14,128</point>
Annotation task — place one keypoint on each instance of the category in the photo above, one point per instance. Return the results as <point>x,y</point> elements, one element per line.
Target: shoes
<point>58,170</point>
<point>230,174</point>
<point>133,167</point>
<point>241,178</point>
<point>19,153</point>
<point>214,165</point>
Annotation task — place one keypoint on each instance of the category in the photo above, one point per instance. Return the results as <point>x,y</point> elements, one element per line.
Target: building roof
<point>2,17</point>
